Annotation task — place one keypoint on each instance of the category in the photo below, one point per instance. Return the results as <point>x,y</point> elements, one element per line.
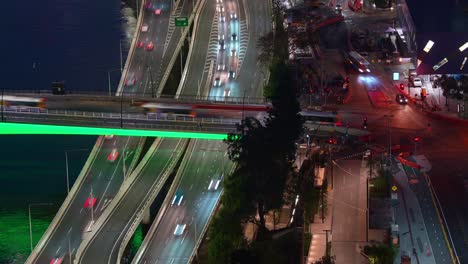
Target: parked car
<point>417,82</point>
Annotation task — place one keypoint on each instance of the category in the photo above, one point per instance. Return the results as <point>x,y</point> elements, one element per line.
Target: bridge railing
<point>142,96</point>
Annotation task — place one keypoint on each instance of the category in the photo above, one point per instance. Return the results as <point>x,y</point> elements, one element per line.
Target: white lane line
<point>69,230</point>
<point>99,174</point>
<point>81,210</point>
<point>58,249</point>
<point>191,186</point>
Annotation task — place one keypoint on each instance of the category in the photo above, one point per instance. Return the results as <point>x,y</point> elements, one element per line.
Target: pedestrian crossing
<point>243,43</point>
<point>171,28</point>
<point>212,44</point>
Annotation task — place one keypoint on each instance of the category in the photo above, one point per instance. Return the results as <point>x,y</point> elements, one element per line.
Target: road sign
<point>181,21</point>
<point>394,188</point>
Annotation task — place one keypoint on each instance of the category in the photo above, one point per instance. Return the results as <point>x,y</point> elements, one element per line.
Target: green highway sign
<point>181,21</point>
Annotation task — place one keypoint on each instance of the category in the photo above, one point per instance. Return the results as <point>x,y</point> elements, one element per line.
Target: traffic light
<point>402,86</point>
<point>416,139</point>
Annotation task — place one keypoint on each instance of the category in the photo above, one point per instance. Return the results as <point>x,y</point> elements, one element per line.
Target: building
<point>436,34</point>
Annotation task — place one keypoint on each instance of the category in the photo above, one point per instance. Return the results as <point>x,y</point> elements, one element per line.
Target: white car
<point>217,82</point>
<point>177,200</point>
<point>221,67</point>
<point>233,16</point>
<point>417,82</point>
<point>179,229</point>
<point>214,184</point>
<point>227,92</point>
<point>144,28</point>
<point>233,53</point>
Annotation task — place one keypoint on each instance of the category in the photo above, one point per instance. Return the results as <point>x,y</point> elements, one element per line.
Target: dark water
<point>76,41</point>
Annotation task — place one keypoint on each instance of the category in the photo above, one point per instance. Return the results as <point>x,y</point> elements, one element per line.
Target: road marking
<point>56,252</point>
<point>69,230</point>
<point>81,210</point>
<point>191,187</point>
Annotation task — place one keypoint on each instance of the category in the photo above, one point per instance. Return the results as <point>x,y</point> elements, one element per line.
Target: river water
<point>76,41</point>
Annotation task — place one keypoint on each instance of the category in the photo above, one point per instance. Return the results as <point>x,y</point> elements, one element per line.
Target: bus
<point>21,101</point>
<point>312,119</point>
<point>356,60</point>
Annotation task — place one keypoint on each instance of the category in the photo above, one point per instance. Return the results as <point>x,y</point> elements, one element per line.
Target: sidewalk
<point>412,232</point>
<point>317,247</point>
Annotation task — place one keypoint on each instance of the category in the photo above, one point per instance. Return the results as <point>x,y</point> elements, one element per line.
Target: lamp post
<point>30,222</point>
<point>66,165</point>
<point>109,79</point>
<point>151,82</point>
<point>389,117</point>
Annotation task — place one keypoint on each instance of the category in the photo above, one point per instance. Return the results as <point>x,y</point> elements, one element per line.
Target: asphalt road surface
<point>207,161</point>
<point>102,182</point>
<point>109,237</point>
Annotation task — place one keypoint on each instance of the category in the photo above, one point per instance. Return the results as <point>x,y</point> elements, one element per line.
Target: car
<point>401,99</point>
<point>177,200</point>
<point>221,44</point>
<point>217,82</point>
<point>338,8</point>
<point>56,260</point>
<point>233,53</point>
<point>219,1</point>
<point>227,92</point>
<point>144,28</point>
<point>131,80</point>
<point>234,36</point>
<point>232,73</point>
<point>417,82</point>
<point>222,18</point>
<point>233,15</point>
<point>109,136</point>
<point>90,201</point>
<point>221,67</point>
<point>150,46</point>
<point>214,184</point>
<point>113,155</point>
<point>148,6</point>
<point>220,8</point>
<point>221,37</point>
<point>140,44</point>
<point>157,11</point>
<point>179,229</point>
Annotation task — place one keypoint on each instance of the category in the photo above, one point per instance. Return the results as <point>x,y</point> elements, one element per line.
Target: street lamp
<point>389,117</point>
<point>66,165</point>
<point>30,222</point>
<point>109,79</point>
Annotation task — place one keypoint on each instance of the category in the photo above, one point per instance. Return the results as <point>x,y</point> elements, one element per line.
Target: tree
<point>326,260</point>
<point>266,49</point>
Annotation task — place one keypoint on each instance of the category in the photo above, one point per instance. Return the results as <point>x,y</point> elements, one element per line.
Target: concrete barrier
<point>198,7</point>
<point>157,186</point>
<point>65,205</point>
<point>165,204</point>
<point>189,57</point>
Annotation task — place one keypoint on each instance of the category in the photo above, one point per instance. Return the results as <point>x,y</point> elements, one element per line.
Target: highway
<point>69,223</point>
<point>207,161</point>
<point>155,171</point>
<point>102,180</point>
<point>209,61</point>
<point>252,76</point>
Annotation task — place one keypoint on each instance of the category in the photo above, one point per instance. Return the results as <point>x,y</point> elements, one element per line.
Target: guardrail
<point>9,112</point>
<point>150,198</point>
<point>102,220</point>
<point>165,204</point>
<point>199,5</point>
<point>65,205</point>
<point>137,96</point>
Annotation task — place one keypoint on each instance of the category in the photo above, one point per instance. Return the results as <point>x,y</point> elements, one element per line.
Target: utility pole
<point>30,221</point>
